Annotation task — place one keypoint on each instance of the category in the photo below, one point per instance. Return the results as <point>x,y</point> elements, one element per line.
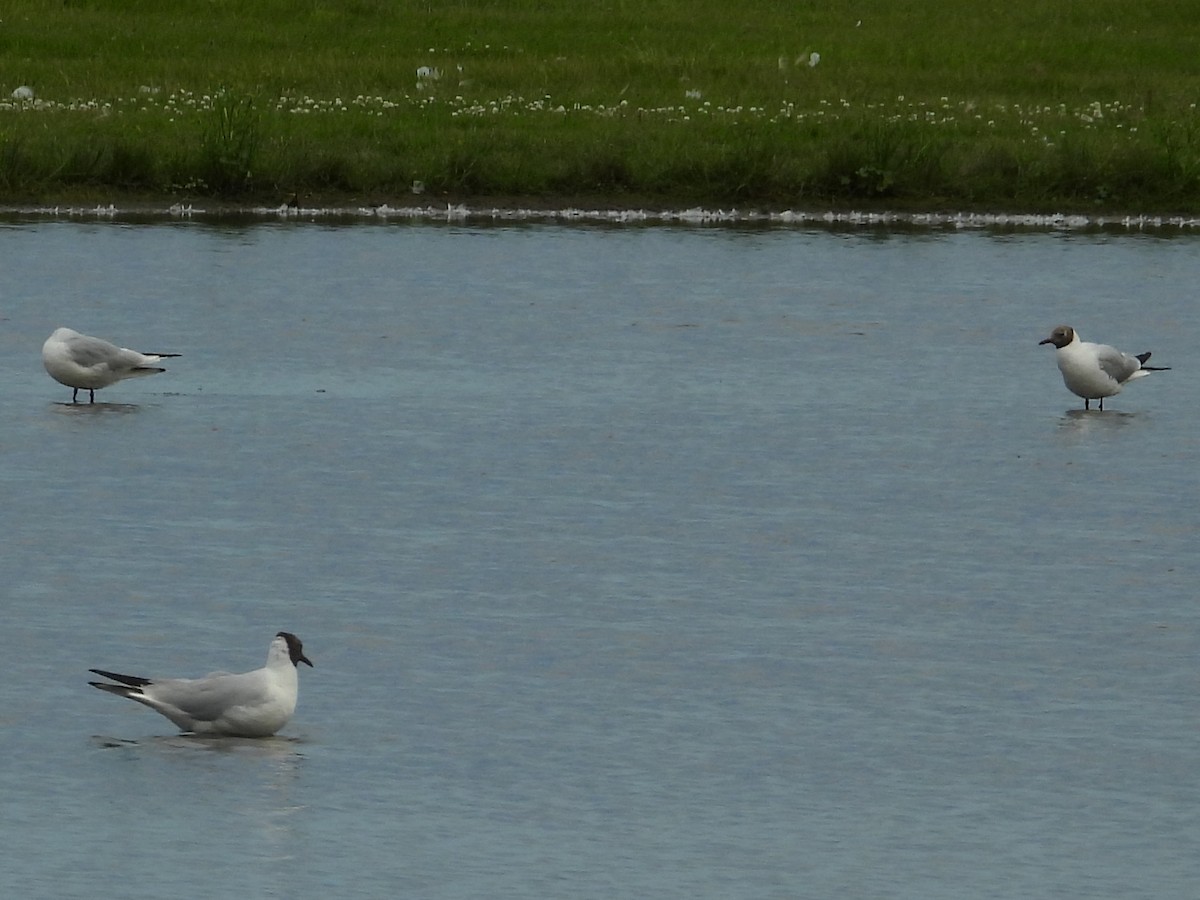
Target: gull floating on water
<point>252,704</point>
<point>1095,371</point>
<point>88,363</point>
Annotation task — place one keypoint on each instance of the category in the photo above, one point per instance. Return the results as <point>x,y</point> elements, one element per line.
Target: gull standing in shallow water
<point>88,363</point>
<point>1095,371</point>
<point>252,704</point>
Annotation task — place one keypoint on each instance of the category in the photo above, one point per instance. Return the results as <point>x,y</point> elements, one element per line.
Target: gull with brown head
<point>250,704</point>
<point>1095,371</point>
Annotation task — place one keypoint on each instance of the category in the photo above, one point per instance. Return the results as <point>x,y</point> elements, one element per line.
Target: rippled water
<point>633,562</point>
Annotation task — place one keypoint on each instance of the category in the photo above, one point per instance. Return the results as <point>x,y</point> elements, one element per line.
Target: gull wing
<point>208,699</point>
<point>1117,365</point>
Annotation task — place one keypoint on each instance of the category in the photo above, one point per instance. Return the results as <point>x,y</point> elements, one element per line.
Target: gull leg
<point>1102,403</point>
<point>93,395</point>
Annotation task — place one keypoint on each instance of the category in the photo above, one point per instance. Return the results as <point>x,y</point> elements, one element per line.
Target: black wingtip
<point>131,680</point>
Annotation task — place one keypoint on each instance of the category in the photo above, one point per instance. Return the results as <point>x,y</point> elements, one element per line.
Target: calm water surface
<point>633,562</point>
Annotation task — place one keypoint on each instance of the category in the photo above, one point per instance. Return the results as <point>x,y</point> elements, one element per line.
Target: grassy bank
<point>1069,105</point>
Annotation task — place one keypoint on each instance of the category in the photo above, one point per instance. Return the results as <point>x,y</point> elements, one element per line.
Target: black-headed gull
<point>252,704</point>
<point>88,363</point>
<point>1095,371</point>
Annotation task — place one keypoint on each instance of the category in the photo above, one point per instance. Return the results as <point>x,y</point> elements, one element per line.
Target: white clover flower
<point>813,59</point>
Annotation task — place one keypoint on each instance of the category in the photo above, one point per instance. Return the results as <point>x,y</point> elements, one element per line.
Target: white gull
<point>252,704</point>
<point>1095,371</point>
<point>88,363</point>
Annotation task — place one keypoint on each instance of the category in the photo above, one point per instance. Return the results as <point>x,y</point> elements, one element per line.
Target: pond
<point>664,561</point>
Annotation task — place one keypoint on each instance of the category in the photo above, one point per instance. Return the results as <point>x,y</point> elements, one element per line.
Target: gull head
<point>295,649</point>
<point>1060,336</point>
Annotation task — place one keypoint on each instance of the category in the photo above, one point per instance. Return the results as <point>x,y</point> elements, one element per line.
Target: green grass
<point>1030,104</point>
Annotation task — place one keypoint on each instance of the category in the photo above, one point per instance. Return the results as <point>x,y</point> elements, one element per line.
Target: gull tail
<point>1142,357</point>
<point>146,370</point>
<point>120,690</point>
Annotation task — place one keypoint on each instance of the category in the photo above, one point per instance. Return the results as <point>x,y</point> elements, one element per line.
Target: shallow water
<point>633,562</point>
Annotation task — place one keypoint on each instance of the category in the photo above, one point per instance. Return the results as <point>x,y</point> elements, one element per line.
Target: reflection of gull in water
<point>89,363</point>
<point>95,409</point>
<point>253,704</point>
<point>1077,422</point>
<point>278,747</point>
<point>271,764</point>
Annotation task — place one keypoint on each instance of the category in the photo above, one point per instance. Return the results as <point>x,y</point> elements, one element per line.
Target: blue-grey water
<point>634,562</point>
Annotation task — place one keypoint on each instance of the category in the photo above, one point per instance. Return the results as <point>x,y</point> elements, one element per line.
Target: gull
<point>252,704</point>
<point>1095,371</point>
<point>88,363</point>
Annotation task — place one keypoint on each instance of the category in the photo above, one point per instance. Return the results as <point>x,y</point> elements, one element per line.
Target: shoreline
<point>511,213</point>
